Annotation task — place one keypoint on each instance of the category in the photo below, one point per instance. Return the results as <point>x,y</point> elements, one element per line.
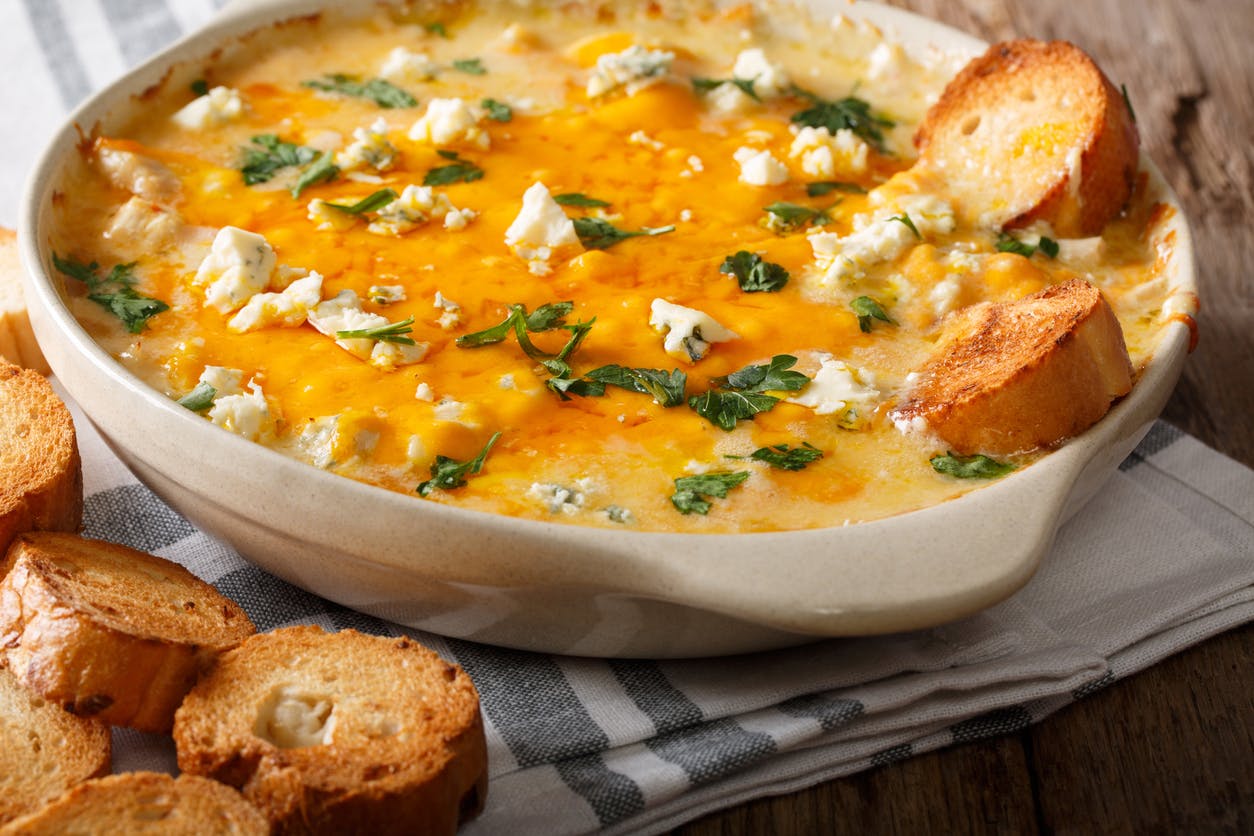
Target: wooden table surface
<point>1170,750</point>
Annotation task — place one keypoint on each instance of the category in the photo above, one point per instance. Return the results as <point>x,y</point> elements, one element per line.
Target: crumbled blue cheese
<point>633,69</point>
<point>880,236</point>
<point>386,294</point>
<point>643,139</point>
<point>760,168</point>
<point>540,228</point>
<point>424,392</point>
<point>619,514</point>
<point>333,440</point>
<point>557,499</point>
<point>370,148</point>
<point>448,122</point>
<point>825,156</point>
<point>689,332</point>
<point>414,206</point>
<point>238,266</point>
<point>246,414</point>
<point>839,389</point>
<point>506,382</point>
<point>289,307</point>
<point>769,80</point>
<point>729,98</point>
<point>452,312</point>
<point>343,312</point>
<point>223,380</point>
<point>452,411</point>
<point>217,107</point>
<point>458,219</point>
<point>403,67</point>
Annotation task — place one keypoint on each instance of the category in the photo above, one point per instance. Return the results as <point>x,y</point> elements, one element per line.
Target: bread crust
<point>1012,377</point>
<point>41,478</point>
<point>393,737</point>
<point>145,802</point>
<point>1033,131</point>
<point>17,338</point>
<point>108,631</point>
<point>44,750</point>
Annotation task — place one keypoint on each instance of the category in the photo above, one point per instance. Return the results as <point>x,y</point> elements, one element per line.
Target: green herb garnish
<point>1123,88</point>
<point>436,28</point>
<point>667,388</point>
<point>268,155</point>
<point>600,234</point>
<point>521,324</point>
<point>849,113</point>
<point>470,66</point>
<point>970,467</point>
<point>114,292</point>
<point>321,170</point>
<point>705,85</point>
<point>867,310</point>
<point>691,491</point>
<point>784,457</point>
<point>393,332</point>
<point>581,200</point>
<point>743,394</point>
<point>826,187</point>
<point>753,274</point>
<point>200,398</point>
<point>497,111</point>
<point>904,218</point>
<point>1007,243</point>
<point>786,217</point>
<point>383,93</point>
<point>200,87</point>
<point>449,473</point>
<point>372,203</point>
<point>458,171</point>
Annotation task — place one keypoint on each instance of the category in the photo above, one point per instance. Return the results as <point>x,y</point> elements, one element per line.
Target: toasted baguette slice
<point>1033,131</point>
<point>17,340</point>
<point>145,802</point>
<point>1011,377</point>
<point>339,732</point>
<point>41,478</point>
<point>44,750</point>
<point>108,631</point>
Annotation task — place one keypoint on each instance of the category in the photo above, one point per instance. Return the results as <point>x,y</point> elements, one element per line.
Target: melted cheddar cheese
<point>680,119</point>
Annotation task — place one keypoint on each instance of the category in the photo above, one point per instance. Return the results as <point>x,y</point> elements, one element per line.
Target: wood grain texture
<point>1170,750</point>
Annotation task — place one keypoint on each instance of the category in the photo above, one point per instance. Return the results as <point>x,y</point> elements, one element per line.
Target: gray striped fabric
<point>1163,558</point>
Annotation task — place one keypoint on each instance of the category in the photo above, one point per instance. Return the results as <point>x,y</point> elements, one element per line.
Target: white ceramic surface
<point>560,588</point>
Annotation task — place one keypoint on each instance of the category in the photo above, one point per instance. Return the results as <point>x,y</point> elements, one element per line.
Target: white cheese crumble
<point>415,205</point>
<point>370,148</point>
<point>424,392</point>
<point>880,236</point>
<point>404,67</point>
<point>452,312</point>
<point>541,227</point>
<point>838,388</point>
<point>642,138</point>
<point>769,80</point>
<point>336,439</point>
<point>289,307</point>
<point>386,294</point>
<point>633,69</point>
<point>689,332</point>
<point>217,107</point>
<point>825,156</point>
<point>729,98</point>
<point>449,121</point>
<point>558,499</point>
<point>760,168</point>
<point>246,414</point>
<point>343,312</point>
<point>238,266</point>
<point>223,380</point>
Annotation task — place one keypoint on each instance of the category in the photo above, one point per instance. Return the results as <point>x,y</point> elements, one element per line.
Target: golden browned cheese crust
<point>41,480</point>
<point>110,632</point>
<point>331,732</point>
<point>1024,374</point>
<point>145,802</point>
<point>1034,131</point>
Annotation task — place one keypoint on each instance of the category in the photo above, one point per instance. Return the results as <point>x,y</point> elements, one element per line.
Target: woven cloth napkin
<point>1161,559</point>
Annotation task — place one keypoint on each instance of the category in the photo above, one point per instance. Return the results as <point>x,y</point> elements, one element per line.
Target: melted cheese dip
<point>676,122</point>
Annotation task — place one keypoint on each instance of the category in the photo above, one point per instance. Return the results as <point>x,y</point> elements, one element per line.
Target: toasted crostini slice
<point>17,339</point>
<point>108,631</point>
<point>145,802</point>
<point>1033,131</point>
<point>1012,377</point>
<point>44,750</point>
<point>339,732</point>
<point>41,479</point>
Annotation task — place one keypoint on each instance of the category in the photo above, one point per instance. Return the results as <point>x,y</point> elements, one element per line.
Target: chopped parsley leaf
<point>826,187</point>
<point>520,324</point>
<point>393,332</point>
<point>849,113</point>
<point>321,170</point>
<point>786,217</point>
<point>691,492</point>
<point>447,473</point>
<point>497,111</point>
<point>705,85</point>
<point>600,234</point>
<point>200,398</point>
<point>383,93</point>
<point>743,394</point>
<point>753,274</point>
<point>114,292</point>
<point>970,467</point>
<point>667,388</point>
<point>268,155</point>
<point>470,66</point>
<point>1007,243</point>
<point>200,87</point>
<point>904,218</point>
<point>581,200</point>
<point>784,457</point>
<point>436,28</point>
<point>458,171</point>
<point>867,310</point>
<point>372,203</point>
